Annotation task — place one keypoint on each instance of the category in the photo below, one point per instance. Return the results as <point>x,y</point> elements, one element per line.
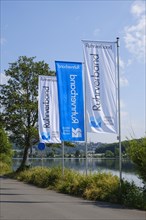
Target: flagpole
<point>86,147</point>
<point>62,158</point>
<point>86,155</point>
<point>119,114</point>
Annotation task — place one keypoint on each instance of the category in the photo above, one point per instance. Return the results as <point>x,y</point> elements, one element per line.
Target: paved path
<point>20,201</point>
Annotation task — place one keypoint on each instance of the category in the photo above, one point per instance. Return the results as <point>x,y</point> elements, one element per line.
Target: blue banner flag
<point>71,104</point>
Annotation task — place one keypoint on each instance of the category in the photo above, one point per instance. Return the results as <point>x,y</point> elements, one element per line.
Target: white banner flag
<point>48,110</point>
<point>101,86</point>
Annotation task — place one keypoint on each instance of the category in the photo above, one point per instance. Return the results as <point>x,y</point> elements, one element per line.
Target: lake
<point>94,165</point>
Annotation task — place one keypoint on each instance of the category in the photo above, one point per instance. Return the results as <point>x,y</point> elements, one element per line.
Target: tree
<point>20,104</point>
<point>116,152</point>
<point>5,147</point>
<point>109,153</point>
<point>137,153</point>
<point>77,153</point>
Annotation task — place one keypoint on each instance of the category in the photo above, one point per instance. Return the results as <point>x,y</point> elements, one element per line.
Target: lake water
<point>94,165</point>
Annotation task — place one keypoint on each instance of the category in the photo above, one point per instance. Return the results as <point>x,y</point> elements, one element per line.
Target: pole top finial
<point>118,41</point>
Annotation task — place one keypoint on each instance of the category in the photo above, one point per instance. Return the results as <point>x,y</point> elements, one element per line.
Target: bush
<point>132,196</point>
<point>137,153</point>
<point>37,176</point>
<point>54,176</point>
<point>104,187</point>
<point>5,152</point>
<point>100,186</point>
<point>5,168</point>
<point>69,182</point>
<point>6,159</point>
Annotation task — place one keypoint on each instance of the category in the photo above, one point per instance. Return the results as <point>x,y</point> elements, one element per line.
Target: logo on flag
<point>96,123</point>
<point>45,136</point>
<point>77,133</point>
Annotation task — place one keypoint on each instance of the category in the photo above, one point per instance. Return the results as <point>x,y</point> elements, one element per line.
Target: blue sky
<point>53,30</point>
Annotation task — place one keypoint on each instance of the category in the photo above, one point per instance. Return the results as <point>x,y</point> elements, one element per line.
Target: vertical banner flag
<point>101,86</point>
<point>48,110</point>
<point>71,105</point>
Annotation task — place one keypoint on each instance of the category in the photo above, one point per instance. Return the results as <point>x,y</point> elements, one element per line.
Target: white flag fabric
<point>48,110</point>
<point>101,86</point>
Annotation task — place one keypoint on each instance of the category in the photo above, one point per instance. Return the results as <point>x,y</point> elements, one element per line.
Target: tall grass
<point>100,186</point>
<point>5,168</point>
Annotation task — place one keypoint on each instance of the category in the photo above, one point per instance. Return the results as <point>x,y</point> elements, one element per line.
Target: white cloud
<point>123,79</point>
<point>138,8</point>
<point>121,63</point>
<point>135,35</point>
<point>129,62</point>
<point>124,113</point>
<point>122,104</point>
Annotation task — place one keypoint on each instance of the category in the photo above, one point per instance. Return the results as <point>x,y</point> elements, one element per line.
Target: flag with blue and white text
<point>71,104</point>
<point>101,86</point>
<point>48,110</point>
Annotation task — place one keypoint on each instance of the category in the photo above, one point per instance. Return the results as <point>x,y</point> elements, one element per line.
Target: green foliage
<point>5,151</point>
<point>137,153</point>
<point>109,153</point>
<point>5,168</point>
<point>6,159</point>
<point>42,177</point>
<point>113,147</point>
<point>19,99</point>
<point>69,144</point>
<point>100,186</point>
<point>54,176</point>
<point>5,146</point>
<point>66,143</point>
<point>69,183</point>
<point>37,176</point>
<point>77,153</point>
<point>132,196</point>
<point>104,187</point>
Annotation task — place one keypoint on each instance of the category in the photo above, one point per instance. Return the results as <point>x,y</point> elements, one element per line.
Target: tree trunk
<point>23,163</point>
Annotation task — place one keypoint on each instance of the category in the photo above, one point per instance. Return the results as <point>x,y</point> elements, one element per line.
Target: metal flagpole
<point>63,158</point>
<point>86,147</point>
<point>86,155</point>
<point>119,115</point>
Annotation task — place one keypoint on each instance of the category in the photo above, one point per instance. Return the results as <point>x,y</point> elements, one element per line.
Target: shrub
<point>37,176</point>
<point>54,176</point>
<point>68,182</point>
<point>132,196</point>
<point>137,153</point>
<point>100,186</point>
<point>81,185</point>
<point>40,176</point>
<point>104,187</point>
<point>5,168</point>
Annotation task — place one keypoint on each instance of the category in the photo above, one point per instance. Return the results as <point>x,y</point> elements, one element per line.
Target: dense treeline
<point>114,146</point>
